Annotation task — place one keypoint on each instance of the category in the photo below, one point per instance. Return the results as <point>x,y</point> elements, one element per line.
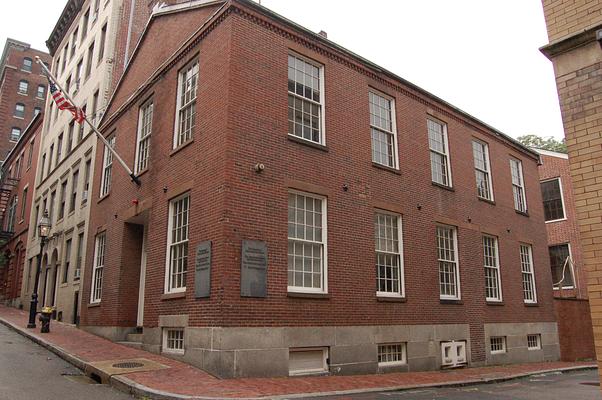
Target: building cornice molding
<point>571,42</point>
<point>62,26</point>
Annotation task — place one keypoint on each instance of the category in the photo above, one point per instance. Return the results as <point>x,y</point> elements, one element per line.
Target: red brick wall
<point>575,329</point>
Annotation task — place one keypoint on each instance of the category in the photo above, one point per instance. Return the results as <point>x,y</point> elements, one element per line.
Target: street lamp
<point>43,231</point>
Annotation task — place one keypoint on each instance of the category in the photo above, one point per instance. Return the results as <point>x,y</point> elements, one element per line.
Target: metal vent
<point>128,365</point>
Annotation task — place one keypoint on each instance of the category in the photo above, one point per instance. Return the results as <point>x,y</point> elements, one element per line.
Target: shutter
<point>306,361</point>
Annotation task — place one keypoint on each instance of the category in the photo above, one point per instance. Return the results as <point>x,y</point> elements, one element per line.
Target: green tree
<point>543,143</point>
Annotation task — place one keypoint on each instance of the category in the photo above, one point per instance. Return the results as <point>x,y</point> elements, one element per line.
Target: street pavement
<point>30,372</point>
<point>577,385</point>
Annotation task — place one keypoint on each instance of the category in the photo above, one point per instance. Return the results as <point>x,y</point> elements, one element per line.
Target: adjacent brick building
<point>575,37</point>
<point>22,91</point>
<point>16,191</point>
<point>375,228</point>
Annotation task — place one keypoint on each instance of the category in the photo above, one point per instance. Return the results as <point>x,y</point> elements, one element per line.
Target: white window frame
<point>168,267</point>
<point>107,169</point>
<point>531,272</point>
<point>321,103</point>
<point>446,155</point>
<point>537,337</point>
<point>453,359</point>
<point>488,172</point>
<point>147,106</point>
<point>559,179</point>
<point>398,253</point>
<point>458,295</point>
<point>98,268</point>
<point>523,197</point>
<point>496,268</point>
<point>169,350</point>
<point>381,353</point>
<point>181,74</point>
<point>324,289</point>
<point>393,129</point>
<point>570,266</point>
<point>502,340</point>
<point>310,371</point>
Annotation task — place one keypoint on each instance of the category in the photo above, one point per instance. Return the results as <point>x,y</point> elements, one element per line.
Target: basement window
<point>390,354</point>
<point>307,361</point>
<point>173,340</point>
<point>534,342</point>
<point>498,344</point>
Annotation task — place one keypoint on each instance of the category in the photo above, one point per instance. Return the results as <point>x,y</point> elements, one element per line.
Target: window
<point>23,205</point>
<point>89,60</point>
<point>497,344</point>
<point>391,354</point>
<point>80,134</point>
<point>306,242</point>
<point>59,149</point>
<point>103,38</point>
<point>96,5</point>
<point>19,110</point>
<point>85,20</point>
<point>57,67</point>
<point>177,244</point>
<point>67,261</point>
<point>305,361</point>
<point>526,263</point>
<point>65,50</point>
<point>534,342</point>
<point>50,154</point>
<point>51,206</point>
<point>449,275</point>
<point>27,64</point>
<point>94,106</point>
<point>78,74</point>
<point>23,87</point>
<point>553,204</point>
<point>42,166</point>
<point>70,136</point>
<point>36,111</point>
<point>389,271</point>
<point>107,169</point>
<point>30,154</point>
<point>305,99</point>
<point>493,285</point>
<point>186,107</point>
<point>74,183</point>
<point>12,211</point>
<point>63,199</point>
<point>78,260</point>
<point>383,131</point>
<point>15,134</point>
<point>173,340</point>
<point>561,263</point>
<point>41,92</point>
<point>439,146</point>
<point>518,189</point>
<point>480,153</point>
<point>145,126</point>
<point>74,42</point>
<point>86,181</point>
<point>37,214</point>
<point>97,270</point>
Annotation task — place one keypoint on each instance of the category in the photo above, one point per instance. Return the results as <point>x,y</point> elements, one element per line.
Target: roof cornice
<point>63,24</point>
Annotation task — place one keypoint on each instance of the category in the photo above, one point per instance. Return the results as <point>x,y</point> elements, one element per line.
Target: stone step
<point>135,345</point>
<point>134,337</point>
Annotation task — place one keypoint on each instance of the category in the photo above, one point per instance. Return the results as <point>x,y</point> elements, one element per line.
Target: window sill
<point>306,142</point>
<point>64,284</point>
<point>172,296</point>
<point>523,213</point>
<point>18,117</point>
<point>144,171</point>
<point>494,303</point>
<point>390,299</point>
<point>555,220</point>
<point>91,305</point>
<point>181,147</point>
<point>22,94</point>
<point>486,200</point>
<point>439,185</point>
<point>531,304</point>
<point>103,197</point>
<point>308,295</point>
<point>386,168</point>
<point>451,301</point>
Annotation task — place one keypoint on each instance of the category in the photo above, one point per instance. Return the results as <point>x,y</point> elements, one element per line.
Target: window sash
<point>528,274</point>
<point>553,202</point>
<point>520,202</point>
<point>186,107</point>
<point>449,276</point>
<point>98,269</point>
<point>305,99</point>
<point>145,126</point>
<point>493,286</point>
<point>389,268</point>
<point>391,354</point>
<point>107,167</point>
<point>177,244</point>
<point>480,152</point>
<point>383,130</point>
<point>439,148</point>
<point>497,344</point>
<point>558,257</point>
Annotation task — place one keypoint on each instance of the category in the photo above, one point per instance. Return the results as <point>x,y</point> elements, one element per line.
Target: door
<point>75,309</point>
<point>140,316</point>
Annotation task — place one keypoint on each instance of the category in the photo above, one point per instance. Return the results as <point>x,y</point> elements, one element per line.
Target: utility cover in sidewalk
<point>118,367</point>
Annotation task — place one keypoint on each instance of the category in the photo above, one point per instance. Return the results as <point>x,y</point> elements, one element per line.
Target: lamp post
<point>43,231</point>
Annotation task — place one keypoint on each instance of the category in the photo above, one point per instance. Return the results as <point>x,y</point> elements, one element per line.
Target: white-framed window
<point>447,252</point>
<point>23,87</point>
<point>383,129</point>
<point>526,265</point>
<point>173,340</point>
<point>307,361</point>
<point>553,201</point>
<point>491,261</point>
<point>439,147</point>
<point>389,260</point>
<point>27,64</point>
<point>107,169</point>
<point>562,266</point>
<point>390,354</point>
<point>306,243</point>
<point>305,99</point>
<point>518,186</point>
<point>480,153</point>
<point>97,270</point>
<point>177,244</point>
<point>186,103</point>
<point>497,344</point>
<point>41,92</point>
<point>79,256</point>
<point>12,212</point>
<point>145,127</point>
<point>15,134</point>
<point>67,260</point>
<point>534,342</point>
<point>19,110</point>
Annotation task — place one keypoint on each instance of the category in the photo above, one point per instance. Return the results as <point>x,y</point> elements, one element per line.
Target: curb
<point>126,385</point>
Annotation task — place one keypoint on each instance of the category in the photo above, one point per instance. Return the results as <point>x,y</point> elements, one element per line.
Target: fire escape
<point>7,185</point>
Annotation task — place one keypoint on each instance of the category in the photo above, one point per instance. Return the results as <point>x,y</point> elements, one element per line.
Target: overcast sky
<point>481,56</point>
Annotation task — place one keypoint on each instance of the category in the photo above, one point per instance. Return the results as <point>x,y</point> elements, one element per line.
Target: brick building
<point>566,259</point>
<point>16,187</point>
<point>575,37</point>
<point>22,91</point>
<point>375,228</point>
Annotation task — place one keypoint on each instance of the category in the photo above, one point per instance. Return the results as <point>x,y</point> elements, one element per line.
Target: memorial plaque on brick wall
<point>202,270</point>
<point>253,269</point>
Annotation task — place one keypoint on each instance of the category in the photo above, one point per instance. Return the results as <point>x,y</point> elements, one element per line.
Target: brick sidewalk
<point>184,381</point>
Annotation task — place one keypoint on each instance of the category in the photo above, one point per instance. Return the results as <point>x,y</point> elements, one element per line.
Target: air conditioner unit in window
<point>77,273</point>
<point>84,195</point>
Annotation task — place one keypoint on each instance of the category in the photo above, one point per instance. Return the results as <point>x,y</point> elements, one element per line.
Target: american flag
<point>63,104</point>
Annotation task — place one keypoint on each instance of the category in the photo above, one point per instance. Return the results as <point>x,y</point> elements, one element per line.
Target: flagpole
<point>135,179</point>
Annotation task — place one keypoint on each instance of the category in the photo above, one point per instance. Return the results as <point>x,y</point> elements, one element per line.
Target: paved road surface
<point>30,372</point>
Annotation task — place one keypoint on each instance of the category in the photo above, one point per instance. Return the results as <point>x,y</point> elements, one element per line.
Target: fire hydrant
<point>45,316</point>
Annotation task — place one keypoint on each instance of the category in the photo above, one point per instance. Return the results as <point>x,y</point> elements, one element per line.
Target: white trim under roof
<point>162,8</point>
<point>551,153</point>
